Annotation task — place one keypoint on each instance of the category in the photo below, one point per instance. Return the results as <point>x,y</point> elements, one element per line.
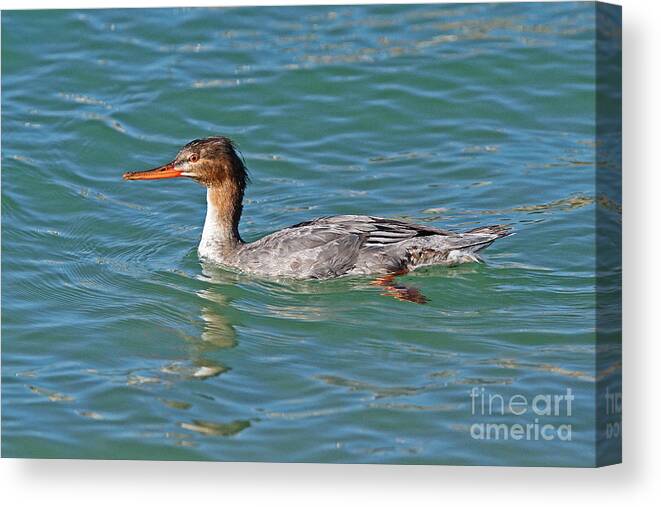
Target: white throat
<point>217,235</point>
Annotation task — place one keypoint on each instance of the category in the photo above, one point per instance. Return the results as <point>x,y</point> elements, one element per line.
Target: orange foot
<point>400,292</point>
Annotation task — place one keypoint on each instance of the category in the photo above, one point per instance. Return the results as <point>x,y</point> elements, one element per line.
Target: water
<point>118,343</point>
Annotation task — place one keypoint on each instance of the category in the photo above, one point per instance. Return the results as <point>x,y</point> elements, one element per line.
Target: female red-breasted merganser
<point>325,247</point>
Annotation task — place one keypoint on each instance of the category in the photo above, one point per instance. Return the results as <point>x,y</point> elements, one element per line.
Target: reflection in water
<point>301,300</point>
<point>218,332</point>
<point>398,291</point>
<point>377,391</point>
<point>216,429</point>
<point>201,369</point>
<point>50,395</point>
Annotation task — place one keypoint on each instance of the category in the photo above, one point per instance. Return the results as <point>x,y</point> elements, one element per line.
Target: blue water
<point>118,343</point>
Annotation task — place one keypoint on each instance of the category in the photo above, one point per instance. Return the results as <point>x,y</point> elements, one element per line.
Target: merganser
<point>326,247</point>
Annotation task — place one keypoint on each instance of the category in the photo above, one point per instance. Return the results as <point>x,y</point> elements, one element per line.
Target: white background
<point>637,481</point>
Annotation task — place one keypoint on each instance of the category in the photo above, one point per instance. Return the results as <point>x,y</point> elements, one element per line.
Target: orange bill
<point>159,173</point>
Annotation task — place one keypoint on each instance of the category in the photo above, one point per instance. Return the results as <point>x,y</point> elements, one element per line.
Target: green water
<point>118,343</point>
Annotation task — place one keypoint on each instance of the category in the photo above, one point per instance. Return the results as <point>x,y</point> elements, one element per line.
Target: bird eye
<point>194,157</point>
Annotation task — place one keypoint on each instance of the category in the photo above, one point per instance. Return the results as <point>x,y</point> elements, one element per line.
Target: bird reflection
<point>398,291</point>
<point>296,300</point>
<point>218,332</point>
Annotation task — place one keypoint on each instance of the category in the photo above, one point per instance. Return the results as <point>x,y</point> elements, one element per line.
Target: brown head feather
<point>217,162</point>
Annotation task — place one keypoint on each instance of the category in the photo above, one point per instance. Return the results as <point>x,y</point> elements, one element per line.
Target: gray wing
<point>376,231</point>
<point>329,246</point>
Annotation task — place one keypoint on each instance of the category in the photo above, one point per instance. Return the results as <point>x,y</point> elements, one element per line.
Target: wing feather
<point>375,231</point>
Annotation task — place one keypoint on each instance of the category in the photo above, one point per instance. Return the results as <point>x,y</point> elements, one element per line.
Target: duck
<point>326,247</point>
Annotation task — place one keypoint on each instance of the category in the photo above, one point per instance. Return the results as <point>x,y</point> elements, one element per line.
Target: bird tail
<point>481,237</point>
